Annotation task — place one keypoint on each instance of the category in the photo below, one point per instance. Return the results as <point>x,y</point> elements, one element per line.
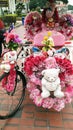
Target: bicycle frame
<point>4,75</point>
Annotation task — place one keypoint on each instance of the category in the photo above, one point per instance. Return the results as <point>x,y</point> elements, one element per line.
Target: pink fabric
<point>59,39</point>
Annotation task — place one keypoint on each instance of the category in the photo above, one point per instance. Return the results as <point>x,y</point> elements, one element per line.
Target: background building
<point>7,4</point>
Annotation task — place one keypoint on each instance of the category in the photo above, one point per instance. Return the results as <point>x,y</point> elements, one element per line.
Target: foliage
<point>9,18</point>
<point>38,9</point>
<point>35,3</point>
<point>70,7</point>
<point>12,40</point>
<point>19,7</point>
<point>64,1</point>
<point>41,3</point>
<point>6,11</point>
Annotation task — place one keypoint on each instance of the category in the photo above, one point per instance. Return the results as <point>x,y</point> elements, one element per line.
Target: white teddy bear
<point>51,82</point>
<point>9,59</point>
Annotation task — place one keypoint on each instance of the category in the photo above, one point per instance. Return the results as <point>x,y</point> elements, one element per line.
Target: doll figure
<point>50,15</point>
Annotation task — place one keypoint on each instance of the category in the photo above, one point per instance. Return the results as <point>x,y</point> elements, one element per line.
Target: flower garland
<point>8,82</point>
<point>32,24</point>
<point>66,26</point>
<point>12,43</point>
<point>12,40</point>
<point>33,67</point>
<point>51,23</point>
<point>66,19</point>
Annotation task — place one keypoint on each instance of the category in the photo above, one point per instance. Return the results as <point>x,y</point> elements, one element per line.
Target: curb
<point>15,26</point>
<point>18,25</point>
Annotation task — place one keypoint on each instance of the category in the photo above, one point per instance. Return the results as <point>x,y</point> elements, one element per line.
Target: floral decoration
<point>66,19</point>
<point>8,82</point>
<point>33,67</point>
<point>48,41</point>
<point>51,23</point>
<point>66,26</point>
<point>8,65</point>
<point>12,40</point>
<point>32,24</point>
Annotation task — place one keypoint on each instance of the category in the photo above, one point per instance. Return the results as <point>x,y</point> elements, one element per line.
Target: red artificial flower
<point>65,64</point>
<point>32,62</point>
<point>62,76</point>
<point>1,24</point>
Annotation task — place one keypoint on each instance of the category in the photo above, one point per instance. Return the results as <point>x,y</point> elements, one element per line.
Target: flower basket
<point>33,67</point>
<point>32,24</point>
<point>12,40</point>
<point>66,26</point>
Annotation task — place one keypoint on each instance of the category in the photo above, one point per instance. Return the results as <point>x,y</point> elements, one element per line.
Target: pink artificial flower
<point>68,95</point>
<point>59,104</point>
<point>9,36</point>
<point>69,79</point>
<point>62,83</point>
<point>38,101</point>
<point>30,86</point>
<point>50,62</point>
<point>48,103</point>
<point>34,93</point>
<point>35,80</point>
<point>9,82</point>
<point>10,87</point>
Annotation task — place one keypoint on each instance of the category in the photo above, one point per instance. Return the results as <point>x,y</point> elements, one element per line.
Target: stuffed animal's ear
<point>43,72</point>
<point>58,70</point>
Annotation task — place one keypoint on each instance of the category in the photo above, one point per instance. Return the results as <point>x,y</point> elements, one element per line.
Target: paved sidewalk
<point>32,117</point>
<point>20,31</point>
<point>37,118</point>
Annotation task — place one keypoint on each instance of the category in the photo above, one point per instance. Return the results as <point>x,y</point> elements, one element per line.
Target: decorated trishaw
<point>49,72</point>
<point>46,59</point>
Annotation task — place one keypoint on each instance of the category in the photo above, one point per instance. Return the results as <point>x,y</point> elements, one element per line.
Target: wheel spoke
<point>9,103</point>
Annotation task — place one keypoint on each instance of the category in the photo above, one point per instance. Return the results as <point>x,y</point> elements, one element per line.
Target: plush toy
<point>51,83</point>
<point>8,62</point>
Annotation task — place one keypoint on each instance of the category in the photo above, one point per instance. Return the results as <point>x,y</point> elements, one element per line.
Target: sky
<point>70,2</point>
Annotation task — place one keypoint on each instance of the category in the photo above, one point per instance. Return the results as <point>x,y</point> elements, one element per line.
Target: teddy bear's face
<point>50,74</point>
<point>10,56</point>
<point>51,78</point>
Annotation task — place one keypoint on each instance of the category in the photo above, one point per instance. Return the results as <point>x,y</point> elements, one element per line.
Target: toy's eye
<point>54,77</point>
<point>9,57</point>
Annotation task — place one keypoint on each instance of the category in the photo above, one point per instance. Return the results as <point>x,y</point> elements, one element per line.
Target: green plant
<point>33,4</point>
<point>6,11</point>
<point>9,18</point>
<point>38,9</point>
<point>19,7</point>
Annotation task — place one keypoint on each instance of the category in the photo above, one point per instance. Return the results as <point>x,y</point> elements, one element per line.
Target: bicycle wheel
<point>10,102</point>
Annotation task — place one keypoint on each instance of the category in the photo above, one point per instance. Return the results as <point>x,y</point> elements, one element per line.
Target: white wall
<point>12,6</point>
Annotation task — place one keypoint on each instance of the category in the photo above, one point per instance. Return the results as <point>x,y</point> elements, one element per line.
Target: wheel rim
<point>9,103</point>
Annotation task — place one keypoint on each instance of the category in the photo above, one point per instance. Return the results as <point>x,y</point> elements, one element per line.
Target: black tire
<point>11,102</point>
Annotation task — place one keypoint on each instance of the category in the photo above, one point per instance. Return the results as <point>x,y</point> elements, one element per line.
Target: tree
<point>64,1</point>
<point>33,4</point>
<point>19,7</point>
<point>70,7</point>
